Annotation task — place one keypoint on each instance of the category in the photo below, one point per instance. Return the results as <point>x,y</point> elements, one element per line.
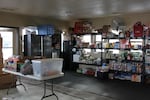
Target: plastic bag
<point>27,69</point>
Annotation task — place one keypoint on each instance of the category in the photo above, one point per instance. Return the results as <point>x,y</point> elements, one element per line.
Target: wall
<point>15,20</point>
<point>129,20</point>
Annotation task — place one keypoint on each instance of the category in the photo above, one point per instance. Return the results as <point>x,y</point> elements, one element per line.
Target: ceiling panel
<point>74,9</point>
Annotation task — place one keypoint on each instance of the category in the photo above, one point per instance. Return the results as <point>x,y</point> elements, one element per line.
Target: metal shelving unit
<point>84,50</point>
<point>122,60</point>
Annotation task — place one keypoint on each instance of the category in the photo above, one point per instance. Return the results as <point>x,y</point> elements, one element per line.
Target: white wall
<point>129,20</point>
<point>15,20</point>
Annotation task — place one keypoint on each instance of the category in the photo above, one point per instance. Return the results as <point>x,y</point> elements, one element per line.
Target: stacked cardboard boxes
<point>1,57</point>
<point>5,79</point>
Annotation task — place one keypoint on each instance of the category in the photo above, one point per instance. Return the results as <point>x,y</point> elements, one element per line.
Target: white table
<point>44,79</point>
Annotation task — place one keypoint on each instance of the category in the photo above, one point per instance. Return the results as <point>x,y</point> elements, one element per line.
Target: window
<point>7,39</point>
<point>10,40</point>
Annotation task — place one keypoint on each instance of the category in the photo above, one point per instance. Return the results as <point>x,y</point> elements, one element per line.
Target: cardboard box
<point>1,43</point>
<point>1,61</point>
<point>6,80</point>
<point>136,78</point>
<point>76,58</point>
<point>1,54</point>
<point>7,85</point>
<point>1,70</point>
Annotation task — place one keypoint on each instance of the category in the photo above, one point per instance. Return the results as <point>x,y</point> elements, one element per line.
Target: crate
<point>46,67</point>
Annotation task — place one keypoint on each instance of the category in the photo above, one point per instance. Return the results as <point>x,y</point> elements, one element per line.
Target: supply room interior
<point>63,15</point>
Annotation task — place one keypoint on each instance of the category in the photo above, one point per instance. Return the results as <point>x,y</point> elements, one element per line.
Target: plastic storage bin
<point>46,67</point>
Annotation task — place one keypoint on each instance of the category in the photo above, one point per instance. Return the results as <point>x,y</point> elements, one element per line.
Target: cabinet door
<point>32,45</point>
<point>56,43</point>
<point>67,55</point>
<point>47,46</point>
<point>25,45</point>
<point>35,45</point>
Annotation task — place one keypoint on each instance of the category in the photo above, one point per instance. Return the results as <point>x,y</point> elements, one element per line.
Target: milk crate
<point>46,67</point>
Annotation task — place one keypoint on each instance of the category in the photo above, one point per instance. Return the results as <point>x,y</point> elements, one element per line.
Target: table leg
<point>52,90</point>
<point>20,83</point>
<point>52,87</point>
